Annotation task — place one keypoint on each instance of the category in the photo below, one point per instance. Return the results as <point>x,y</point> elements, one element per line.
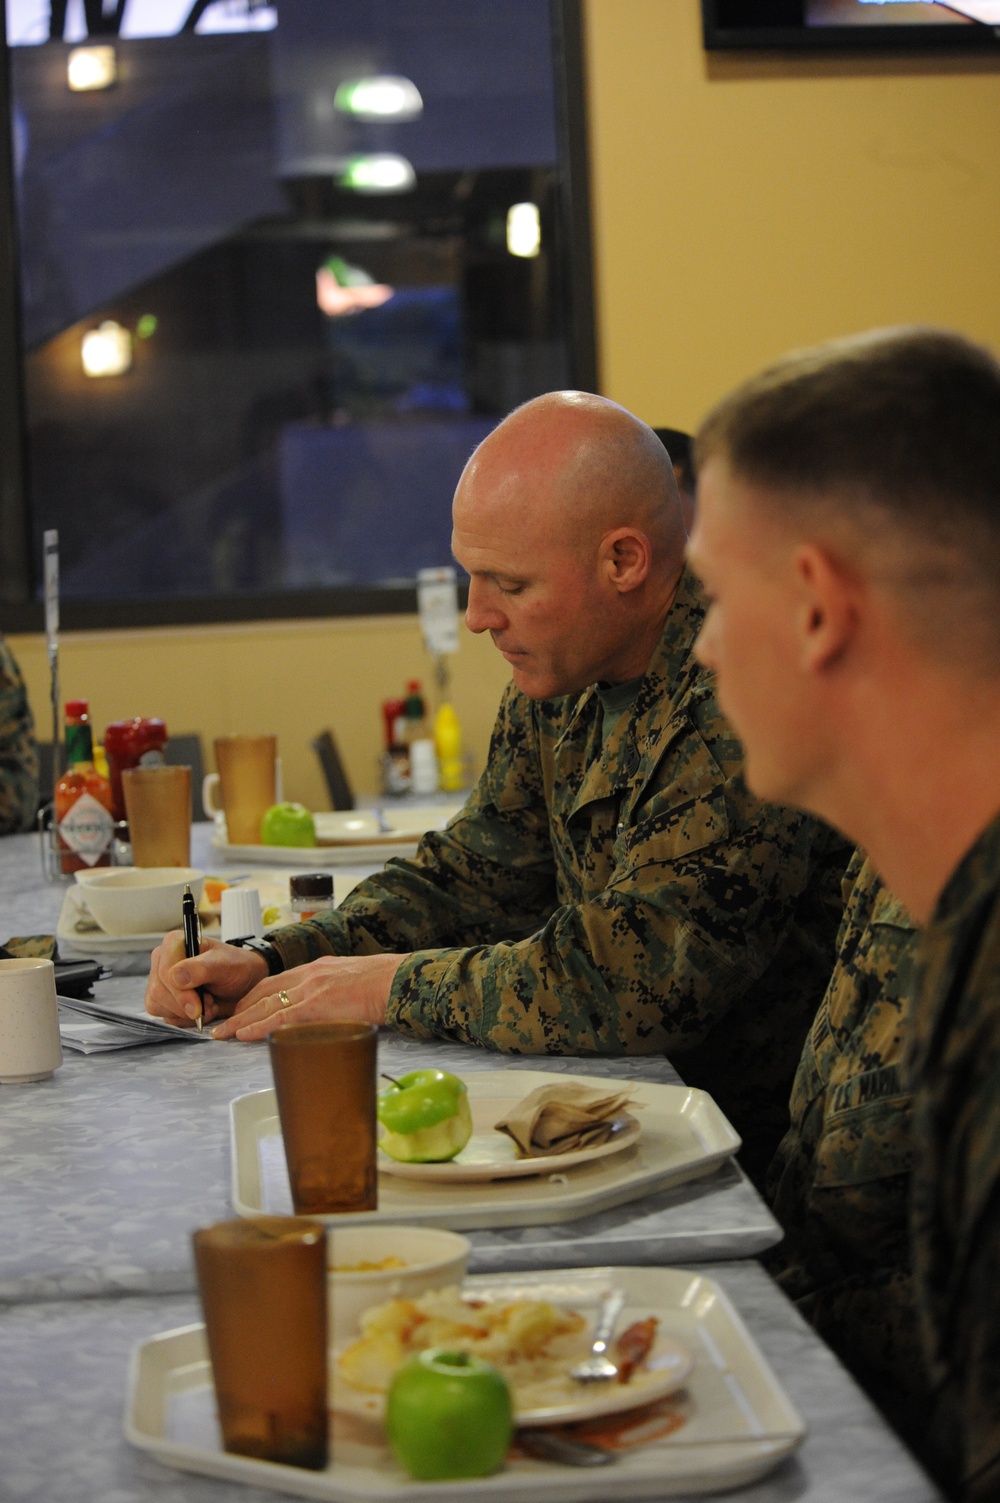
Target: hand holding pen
<point>192,942</point>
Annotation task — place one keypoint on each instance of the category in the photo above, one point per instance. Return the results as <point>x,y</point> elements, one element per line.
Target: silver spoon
<point>598,1368</point>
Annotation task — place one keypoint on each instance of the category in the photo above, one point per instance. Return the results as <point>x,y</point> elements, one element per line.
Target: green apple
<point>425,1116</point>
<point>288,824</point>
<point>449,1415</point>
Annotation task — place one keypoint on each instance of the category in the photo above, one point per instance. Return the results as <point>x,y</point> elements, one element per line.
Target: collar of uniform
<point>637,742</point>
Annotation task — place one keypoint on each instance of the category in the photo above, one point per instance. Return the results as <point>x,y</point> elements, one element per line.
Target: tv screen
<point>893,24</point>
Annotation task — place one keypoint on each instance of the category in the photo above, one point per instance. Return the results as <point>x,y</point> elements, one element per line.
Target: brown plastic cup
<point>246,776</point>
<point>324,1079</point>
<point>263,1286</point>
<point>158,804</point>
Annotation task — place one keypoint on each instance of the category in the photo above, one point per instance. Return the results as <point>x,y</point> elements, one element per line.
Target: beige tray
<point>731,1397</point>
<point>684,1136</point>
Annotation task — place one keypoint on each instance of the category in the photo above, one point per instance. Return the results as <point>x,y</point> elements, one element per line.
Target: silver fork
<point>598,1368</point>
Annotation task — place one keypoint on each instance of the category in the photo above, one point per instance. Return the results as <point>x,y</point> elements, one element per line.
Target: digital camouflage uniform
<point>840,1181</point>
<point>614,898</point>
<point>18,754</point>
<point>955,1207</point>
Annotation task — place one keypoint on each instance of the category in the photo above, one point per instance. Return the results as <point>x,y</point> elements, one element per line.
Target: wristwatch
<point>263,947</point>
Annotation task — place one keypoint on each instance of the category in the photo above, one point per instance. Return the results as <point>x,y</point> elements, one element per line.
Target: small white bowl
<point>139,899</point>
<point>434,1260</point>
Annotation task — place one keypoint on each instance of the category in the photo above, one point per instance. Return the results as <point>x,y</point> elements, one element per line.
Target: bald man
<point>610,887</point>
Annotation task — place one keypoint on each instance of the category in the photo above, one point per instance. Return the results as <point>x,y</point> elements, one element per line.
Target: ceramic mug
<point>30,1048</point>
<point>248,781</point>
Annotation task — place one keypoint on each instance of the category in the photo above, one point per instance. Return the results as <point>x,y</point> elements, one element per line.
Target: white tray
<point>731,1397</point>
<point>395,830</point>
<point>316,857</point>
<point>684,1136</point>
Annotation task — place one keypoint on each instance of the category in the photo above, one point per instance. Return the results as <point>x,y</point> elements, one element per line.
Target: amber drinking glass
<point>324,1079</point>
<point>247,778</point>
<point>263,1286</point>
<point>158,804</point>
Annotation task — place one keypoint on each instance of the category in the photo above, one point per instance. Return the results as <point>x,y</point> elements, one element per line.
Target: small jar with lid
<point>311,895</point>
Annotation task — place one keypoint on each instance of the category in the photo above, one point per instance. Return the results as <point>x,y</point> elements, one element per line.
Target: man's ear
<point>828,607</point>
<point>626,558</point>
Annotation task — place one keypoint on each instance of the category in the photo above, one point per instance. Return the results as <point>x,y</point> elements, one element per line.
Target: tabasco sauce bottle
<point>83,798</point>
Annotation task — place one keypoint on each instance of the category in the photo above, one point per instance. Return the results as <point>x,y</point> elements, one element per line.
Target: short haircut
<point>896,432</point>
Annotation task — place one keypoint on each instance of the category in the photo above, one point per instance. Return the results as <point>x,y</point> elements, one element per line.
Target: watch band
<point>268,952</point>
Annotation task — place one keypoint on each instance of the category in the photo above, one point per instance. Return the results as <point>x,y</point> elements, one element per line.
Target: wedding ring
<point>284,999</point>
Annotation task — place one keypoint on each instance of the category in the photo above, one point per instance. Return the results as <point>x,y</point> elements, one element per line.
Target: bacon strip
<point>633,1345</point>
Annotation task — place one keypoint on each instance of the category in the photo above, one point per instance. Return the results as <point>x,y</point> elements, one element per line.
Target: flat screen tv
<point>896,25</point>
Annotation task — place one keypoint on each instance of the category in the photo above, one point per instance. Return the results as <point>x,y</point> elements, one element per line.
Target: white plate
<point>737,1422</point>
<point>347,824</point>
<point>493,1155</point>
<point>684,1136</point>
<point>663,1372</point>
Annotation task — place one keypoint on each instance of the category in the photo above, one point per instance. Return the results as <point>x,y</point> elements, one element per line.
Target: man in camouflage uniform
<point>18,753</point>
<point>840,1181</point>
<point>610,887</point>
<point>848,530</point>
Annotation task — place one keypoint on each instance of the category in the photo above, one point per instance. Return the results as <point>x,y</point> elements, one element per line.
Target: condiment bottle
<point>310,894</point>
<point>396,757</point>
<point>138,742</point>
<point>84,814</point>
<point>448,745</point>
<point>414,713</point>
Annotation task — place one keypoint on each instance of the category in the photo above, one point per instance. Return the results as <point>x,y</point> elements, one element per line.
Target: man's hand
<point>225,971</point>
<point>335,989</point>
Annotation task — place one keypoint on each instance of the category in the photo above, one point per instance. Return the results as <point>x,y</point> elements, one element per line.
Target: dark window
<point>309,363</point>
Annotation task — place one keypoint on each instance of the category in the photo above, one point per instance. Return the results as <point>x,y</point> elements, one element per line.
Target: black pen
<point>192,941</point>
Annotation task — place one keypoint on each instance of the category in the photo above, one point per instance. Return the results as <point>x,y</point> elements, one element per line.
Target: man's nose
<point>482,613</point>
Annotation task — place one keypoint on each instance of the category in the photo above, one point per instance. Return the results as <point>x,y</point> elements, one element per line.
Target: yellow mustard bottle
<point>448,745</point>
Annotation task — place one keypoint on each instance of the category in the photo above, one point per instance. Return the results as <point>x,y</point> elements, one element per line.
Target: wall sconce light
<point>107,350</point>
<point>524,230</point>
<point>91,68</point>
<point>379,172</point>
<point>385,96</point>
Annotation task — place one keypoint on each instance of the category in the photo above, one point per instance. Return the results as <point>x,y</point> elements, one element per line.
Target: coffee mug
<point>30,1048</point>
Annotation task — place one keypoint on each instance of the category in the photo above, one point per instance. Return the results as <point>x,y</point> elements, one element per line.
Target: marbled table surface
<point>106,1168</point>
<point>63,1383</point>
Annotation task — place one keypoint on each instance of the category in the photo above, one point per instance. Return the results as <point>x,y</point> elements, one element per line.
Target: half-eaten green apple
<point>425,1117</point>
<point>449,1415</point>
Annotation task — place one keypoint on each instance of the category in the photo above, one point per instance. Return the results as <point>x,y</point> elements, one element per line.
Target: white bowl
<point>434,1260</point>
<point>139,899</point>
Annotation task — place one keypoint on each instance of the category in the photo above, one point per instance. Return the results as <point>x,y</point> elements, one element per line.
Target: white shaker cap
<point>241,913</point>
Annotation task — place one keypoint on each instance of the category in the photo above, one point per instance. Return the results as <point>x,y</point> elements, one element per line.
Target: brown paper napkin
<point>563,1118</point>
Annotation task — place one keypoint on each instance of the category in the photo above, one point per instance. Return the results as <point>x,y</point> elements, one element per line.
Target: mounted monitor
<point>886,25</point>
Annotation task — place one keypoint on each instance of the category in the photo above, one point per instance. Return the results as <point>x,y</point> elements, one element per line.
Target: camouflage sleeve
<point>647,966</point>
<point>488,876</point>
<point>18,753</point>
<point>697,894</point>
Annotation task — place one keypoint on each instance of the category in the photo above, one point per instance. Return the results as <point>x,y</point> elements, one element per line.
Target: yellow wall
<point>294,678</point>
<point>746,205</point>
<point>742,205</point>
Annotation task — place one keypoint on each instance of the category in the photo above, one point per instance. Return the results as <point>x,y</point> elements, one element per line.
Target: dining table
<point>107,1167</point>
